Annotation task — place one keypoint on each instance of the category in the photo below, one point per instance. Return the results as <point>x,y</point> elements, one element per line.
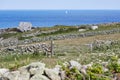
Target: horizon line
<point>59,9</point>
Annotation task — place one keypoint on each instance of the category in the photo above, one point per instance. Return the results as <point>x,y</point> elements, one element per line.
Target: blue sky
<point>59,4</point>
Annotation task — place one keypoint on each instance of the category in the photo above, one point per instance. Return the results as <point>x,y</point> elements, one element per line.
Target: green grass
<point>108,27</point>
<point>66,49</point>
<point>61,29</point>
<point>11,61</point>
<point>7,35</point>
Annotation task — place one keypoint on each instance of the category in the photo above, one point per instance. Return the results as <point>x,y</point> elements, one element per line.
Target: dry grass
<point>69,47</point>
<point>79,41</point>
<point>50,62</point>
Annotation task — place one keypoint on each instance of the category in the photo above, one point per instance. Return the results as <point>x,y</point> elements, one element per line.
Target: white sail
<point>66,12</point>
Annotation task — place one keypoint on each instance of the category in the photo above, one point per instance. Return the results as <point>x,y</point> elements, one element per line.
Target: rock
<point>24,74</point>
<point>3,78</point>
<point>24,26</point>
<point>52,74</point>
<point>105,69</point>
<point>88,65</point>
<point>62,75</point>
<point>39,77</point>
<point>75,64</point>
<point>23,69</point>
<point>12,75</point>
<point>17,75</point>
<point>57,68</point>
<point>83,70</point>
<point>81,30</point>
<point>59,71</point>
<point>36,68</point>
<point>3,71</point>
<point>93,27</point>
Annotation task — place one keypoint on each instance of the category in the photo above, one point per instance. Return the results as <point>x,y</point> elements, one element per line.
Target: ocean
<point>48,18</point>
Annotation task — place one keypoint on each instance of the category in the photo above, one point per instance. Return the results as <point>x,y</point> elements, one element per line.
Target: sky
<point>59,4</point>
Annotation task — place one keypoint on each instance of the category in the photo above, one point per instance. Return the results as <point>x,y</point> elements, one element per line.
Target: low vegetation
<point>58,29</point>
<point>71,49</point>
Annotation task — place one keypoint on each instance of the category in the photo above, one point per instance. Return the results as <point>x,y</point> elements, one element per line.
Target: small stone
<point>3,71</point>
<point>62,75</point>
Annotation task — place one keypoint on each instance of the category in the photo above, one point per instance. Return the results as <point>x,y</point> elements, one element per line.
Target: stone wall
<point>27,49</point>
<point>7,42</point>
<point>71,36</point>
<point>38,71</point>
<point>15,42</point>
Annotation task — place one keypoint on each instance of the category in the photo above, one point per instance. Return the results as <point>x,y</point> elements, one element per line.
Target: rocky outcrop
<point>24,26</point>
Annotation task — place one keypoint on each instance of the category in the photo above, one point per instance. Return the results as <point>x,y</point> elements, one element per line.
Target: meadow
<point>67,49</point>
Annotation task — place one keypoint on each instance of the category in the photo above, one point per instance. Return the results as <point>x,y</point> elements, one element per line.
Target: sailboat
<point>66,12</point>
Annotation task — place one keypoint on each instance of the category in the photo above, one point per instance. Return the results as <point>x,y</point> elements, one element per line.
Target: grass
<point>6,35</point>
<point>60,29</point>
<point>7,61</point>
<point>72,49</point>
<point>65,49</point>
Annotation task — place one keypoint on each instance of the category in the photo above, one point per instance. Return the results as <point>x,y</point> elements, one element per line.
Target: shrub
<point>72,74</point>
<point>114,66</point>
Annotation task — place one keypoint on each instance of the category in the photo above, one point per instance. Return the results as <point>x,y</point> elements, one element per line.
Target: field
<point>65,50</point>
<point>94,47</point>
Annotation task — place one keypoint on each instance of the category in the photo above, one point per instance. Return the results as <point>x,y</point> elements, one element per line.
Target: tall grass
<point>17,60</point>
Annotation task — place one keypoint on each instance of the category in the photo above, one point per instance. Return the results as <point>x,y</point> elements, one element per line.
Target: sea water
<point>48,18</point>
